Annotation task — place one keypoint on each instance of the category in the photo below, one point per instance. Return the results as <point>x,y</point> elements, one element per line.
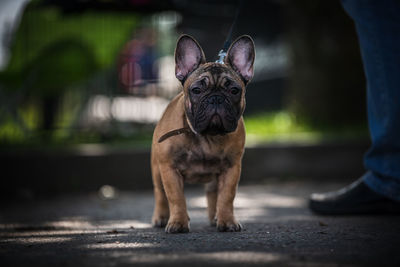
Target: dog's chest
<point>198,165</point>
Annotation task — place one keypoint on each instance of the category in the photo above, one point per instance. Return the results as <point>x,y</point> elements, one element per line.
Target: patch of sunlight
<point>197,202</point>
<point>244,200</point>
<point>241,257</point>
<point>119,245</point>
<point>251,206</point>
<point>38,240</point>
<point>250,214</point>
<point>71,226</point>
<point>48,233</point>
<point>75,223</point>
<point>245,211</point>
<point>122,224</point>
<point>267,200</point>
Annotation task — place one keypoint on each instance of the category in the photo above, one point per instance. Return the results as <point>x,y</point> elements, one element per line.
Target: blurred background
<point>83,83</point>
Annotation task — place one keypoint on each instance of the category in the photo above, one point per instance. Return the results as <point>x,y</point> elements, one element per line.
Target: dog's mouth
<point>213,116</point>
<point>215,121</point>
<point>215,126</point>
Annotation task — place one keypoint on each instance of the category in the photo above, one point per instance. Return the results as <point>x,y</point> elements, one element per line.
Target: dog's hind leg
<point>212,194</point>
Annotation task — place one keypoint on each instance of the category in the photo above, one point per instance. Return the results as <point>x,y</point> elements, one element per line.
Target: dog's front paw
<point>229,226</point>
<point>174,227</point>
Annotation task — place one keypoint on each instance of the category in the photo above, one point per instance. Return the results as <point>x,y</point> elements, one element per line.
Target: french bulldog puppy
<point>200,137</point>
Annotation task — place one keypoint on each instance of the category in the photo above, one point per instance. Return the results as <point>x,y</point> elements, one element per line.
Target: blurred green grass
<point>285,127</point>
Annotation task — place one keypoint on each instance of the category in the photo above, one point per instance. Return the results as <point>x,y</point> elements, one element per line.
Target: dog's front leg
<point>227,185</point>
<point>173,185</point>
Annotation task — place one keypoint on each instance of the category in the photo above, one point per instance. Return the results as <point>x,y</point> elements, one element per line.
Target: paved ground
<point>84,230</point>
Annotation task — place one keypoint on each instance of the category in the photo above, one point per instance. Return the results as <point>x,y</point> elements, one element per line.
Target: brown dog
<point>200,137</point>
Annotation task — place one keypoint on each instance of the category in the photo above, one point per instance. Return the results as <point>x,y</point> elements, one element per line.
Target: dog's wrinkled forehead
<point>213,73</point>
<point>216,69</point>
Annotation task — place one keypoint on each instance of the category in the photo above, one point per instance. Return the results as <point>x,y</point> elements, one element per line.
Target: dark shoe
<point>356,198</point>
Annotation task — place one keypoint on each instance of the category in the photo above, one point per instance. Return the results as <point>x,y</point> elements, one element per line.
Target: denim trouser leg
<point>378,26</point>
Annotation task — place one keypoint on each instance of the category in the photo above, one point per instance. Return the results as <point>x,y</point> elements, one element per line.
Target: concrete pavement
<point>86,230</point>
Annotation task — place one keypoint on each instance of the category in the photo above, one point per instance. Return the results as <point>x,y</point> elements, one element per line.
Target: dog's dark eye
<point>196,90</point>
<point>235,90</point>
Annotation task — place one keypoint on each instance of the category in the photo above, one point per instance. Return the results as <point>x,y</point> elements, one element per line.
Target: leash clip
<point>221,55</point>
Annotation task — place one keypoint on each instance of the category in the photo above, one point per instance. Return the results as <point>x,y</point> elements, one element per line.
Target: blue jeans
<point>378,27</point>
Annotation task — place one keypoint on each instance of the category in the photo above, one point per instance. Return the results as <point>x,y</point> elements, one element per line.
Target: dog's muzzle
<point>215,115</point>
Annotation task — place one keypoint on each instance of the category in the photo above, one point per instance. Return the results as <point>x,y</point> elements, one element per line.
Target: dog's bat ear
<point>188,56</point>
<point>240,57</point>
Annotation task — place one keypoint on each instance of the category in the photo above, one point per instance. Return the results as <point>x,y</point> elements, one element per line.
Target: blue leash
<point>228,41</point>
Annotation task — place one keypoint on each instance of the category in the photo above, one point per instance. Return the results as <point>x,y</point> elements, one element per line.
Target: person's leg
<point>378,27</point>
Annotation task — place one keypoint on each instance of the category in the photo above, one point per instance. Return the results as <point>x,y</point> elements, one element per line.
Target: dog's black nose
<point>215,100</point>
